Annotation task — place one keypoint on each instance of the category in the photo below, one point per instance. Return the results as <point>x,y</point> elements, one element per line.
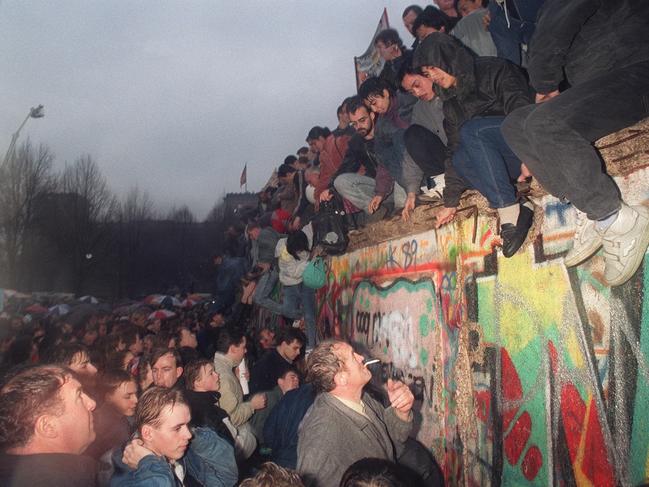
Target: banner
<point>244,175</point>
<point>370,63</point>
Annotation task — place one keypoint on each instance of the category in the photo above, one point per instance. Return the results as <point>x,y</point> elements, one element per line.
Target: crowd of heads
<point>64,381</point>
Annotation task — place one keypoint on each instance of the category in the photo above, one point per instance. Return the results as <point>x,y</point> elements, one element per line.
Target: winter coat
<point>586,38</point>
<point>231,394</point>
<point>281,427</point>
<point>486,86</point>
<point>209,460</point>
<point>266,243</point>
<point>290,269</point>
<point>47,470</point>
<point>332,436</point>
<point>206,412</point>
<point>330,158</point>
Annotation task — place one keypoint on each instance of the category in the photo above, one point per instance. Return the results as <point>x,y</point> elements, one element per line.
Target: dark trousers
<point>555,138</point>
<point>426,149</point>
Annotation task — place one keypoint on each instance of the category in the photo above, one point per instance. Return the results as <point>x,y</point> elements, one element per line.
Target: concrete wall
<point>528,373</point>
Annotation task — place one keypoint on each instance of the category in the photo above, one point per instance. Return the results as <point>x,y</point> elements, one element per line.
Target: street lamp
<point>34,112</point>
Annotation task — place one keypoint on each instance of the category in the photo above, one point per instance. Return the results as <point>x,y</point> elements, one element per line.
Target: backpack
<point>330,226</point>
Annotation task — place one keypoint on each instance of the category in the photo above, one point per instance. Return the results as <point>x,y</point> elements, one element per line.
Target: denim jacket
<point>209,460</point>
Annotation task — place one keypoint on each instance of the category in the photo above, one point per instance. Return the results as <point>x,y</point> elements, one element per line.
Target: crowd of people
<point>490,94</point>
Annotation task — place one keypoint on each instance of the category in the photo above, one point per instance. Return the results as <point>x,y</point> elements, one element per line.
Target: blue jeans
<point>264,289</point>
<point>293,297</point>
<point>508,38</point>
<point>486,162</point>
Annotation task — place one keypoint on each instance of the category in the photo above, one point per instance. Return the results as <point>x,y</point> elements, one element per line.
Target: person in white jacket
<point>293,255</point>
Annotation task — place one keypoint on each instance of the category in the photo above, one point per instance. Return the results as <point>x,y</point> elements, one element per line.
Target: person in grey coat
<point>344,424</point>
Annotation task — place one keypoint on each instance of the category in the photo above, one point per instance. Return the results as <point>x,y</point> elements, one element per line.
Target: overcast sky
<point>176,96</point>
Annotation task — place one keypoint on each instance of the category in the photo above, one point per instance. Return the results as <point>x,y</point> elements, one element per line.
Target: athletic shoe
<point>625,243</point>
<point>586,242</point>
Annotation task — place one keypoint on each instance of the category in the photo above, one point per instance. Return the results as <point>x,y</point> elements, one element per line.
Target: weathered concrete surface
<point>529,373</point>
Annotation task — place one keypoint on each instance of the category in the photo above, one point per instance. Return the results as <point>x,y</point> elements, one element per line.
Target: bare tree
<point>217,213</point>
<point>24,177</point>
<point>84,221</point>
<point>181,215</point>
<point>135,212</point>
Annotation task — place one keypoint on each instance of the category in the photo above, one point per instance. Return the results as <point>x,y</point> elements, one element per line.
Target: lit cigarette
<point>371,361</point>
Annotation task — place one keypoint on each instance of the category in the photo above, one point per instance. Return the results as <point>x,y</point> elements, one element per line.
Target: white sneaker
<point>440,182</point>
<point>585,243</point>
<point>625,243</point>
<point>430,195</point>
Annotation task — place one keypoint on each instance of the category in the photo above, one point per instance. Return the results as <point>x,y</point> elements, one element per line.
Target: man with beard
<point>365,177</point>
<point>45,425</point>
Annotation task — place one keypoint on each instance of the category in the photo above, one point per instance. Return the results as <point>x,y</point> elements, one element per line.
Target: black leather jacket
<point>486,86</point>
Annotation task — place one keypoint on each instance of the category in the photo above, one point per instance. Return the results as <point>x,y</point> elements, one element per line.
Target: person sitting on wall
<point>389,138</point>
<point>331,150</point>
<point>477,94</point>
<point>167,452</point>
<point>431,20</point>
<point>345,425</point>
<point>46,425</point>
<point>470,29</point>
<point>602,49</point>
<point>408,17</point>
<point>390,47</point>
<point>367,175</point>
<point>426,138</point>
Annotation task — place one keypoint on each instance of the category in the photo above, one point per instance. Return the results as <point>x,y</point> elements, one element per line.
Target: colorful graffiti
<point>526,372</point>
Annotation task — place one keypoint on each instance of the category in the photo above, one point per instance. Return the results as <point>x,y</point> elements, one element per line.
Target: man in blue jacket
<point>167,453</point>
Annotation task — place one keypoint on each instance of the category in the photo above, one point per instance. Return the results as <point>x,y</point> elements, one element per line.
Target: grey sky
<point>177,96</point>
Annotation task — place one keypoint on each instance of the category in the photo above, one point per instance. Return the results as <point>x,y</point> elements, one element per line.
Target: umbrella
<point>162,299</point>
<point>36,309</point>
<point>88,300</point>
<point>127,309</point>
<point>81,312</point>
<point>198,297</point>
<point>59,310</point>
<point>188,303</point>
<point>161,314</point>
<point>12,294</point>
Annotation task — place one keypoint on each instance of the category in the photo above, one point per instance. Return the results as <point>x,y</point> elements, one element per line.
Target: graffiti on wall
<point>526,372</point>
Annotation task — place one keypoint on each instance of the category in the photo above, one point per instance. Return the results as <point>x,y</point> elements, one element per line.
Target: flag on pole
<point>370,63</point>
<point>244,176</point>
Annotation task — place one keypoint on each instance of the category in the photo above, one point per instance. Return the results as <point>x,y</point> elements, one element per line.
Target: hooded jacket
<point>486,86</point>
<point>587,38</point>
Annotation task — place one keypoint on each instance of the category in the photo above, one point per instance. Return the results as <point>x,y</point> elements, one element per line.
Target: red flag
<point>243,179</point>
<point>370,63</point>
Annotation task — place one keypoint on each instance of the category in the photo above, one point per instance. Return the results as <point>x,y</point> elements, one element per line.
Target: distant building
<point>238,203</point>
